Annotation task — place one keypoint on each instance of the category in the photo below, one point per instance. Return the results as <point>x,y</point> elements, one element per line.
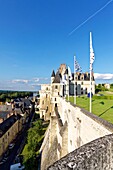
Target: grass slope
<point>100,107</point>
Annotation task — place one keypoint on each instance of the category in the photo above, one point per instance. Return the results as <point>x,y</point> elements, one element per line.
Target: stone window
<point>56,87</point>
<point>55,104</point>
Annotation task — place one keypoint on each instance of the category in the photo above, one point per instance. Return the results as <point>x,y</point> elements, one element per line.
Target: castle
<point>62,85</point>
<point>75,138</point>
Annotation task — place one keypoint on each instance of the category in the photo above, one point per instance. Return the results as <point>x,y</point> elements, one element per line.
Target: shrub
<point>103,97</point>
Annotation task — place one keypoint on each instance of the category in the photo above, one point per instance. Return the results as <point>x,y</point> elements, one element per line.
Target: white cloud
<point>32,84</point>
<point>36,79</point>
<point>20,81</point>
<point>106,76</point>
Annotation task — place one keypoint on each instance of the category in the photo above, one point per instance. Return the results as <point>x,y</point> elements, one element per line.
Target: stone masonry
<point>96,155</point>
<point>73,130</point>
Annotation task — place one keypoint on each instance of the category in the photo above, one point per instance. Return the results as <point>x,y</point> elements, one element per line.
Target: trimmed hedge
<point>103,97</point>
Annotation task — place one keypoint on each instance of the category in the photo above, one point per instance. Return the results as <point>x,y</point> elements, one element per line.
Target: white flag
<point>92,57</point>
<point>77,66</point>
<point>69,73</point>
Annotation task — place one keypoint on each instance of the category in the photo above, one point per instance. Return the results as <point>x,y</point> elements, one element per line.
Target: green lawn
<point>100,107</point>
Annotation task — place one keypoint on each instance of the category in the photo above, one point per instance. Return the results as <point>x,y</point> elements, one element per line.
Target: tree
<point>111,86</point>
<point>34,140</point>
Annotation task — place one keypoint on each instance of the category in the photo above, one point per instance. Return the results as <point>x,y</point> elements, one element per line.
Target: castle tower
<point>52,76</point>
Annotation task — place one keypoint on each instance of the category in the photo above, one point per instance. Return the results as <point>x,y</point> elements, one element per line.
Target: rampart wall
<point>71,128</point>
<point>83,126</point>
<point>96,155</point>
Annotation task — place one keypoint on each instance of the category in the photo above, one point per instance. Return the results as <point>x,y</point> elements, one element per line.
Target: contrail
<point>90,17</point>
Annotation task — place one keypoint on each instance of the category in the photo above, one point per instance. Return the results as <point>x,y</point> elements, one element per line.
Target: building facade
<point>8,131</point>
<point>63,83</point>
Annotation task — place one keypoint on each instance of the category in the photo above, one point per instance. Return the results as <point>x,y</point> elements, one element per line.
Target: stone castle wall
<point>49,146</point>
<point>96,155</point>
<point>83,126</point>
<point>70,128</point>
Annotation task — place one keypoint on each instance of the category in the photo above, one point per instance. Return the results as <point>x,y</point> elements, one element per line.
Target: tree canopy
<point>8,95</point>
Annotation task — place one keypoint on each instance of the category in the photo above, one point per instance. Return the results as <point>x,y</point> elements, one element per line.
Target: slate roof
<point>5,125</point>
<point>66,72</point>
<point>85,75</point>
<point>53,74</point>
<point>3,114</point>
<point>27,103</point>
<point>57,77</point>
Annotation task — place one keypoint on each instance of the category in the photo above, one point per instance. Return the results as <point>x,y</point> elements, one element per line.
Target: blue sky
<point>35,39</point>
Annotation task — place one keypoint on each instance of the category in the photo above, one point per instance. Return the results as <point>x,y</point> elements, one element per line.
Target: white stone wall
<point>70,128</point>
<point>81,128</point>
<point>44,104</point>
<point>84,84</point>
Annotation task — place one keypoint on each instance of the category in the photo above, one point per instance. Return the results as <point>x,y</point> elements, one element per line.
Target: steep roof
<point>66,72</point>
<point>57,77</point>
<point>85,75</point>
<point>53,74</point>
<point>5,125</point>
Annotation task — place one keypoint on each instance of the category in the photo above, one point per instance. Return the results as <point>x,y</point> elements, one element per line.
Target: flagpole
<point>91,66</point>
<point>69,78</point>
<point>90,90</point>
<point>68,87</point>
<point>74,82</point>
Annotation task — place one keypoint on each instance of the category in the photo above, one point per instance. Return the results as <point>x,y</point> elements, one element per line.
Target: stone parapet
<point>97,119</point>
<point>96,155</point>
<point>71,130</point>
